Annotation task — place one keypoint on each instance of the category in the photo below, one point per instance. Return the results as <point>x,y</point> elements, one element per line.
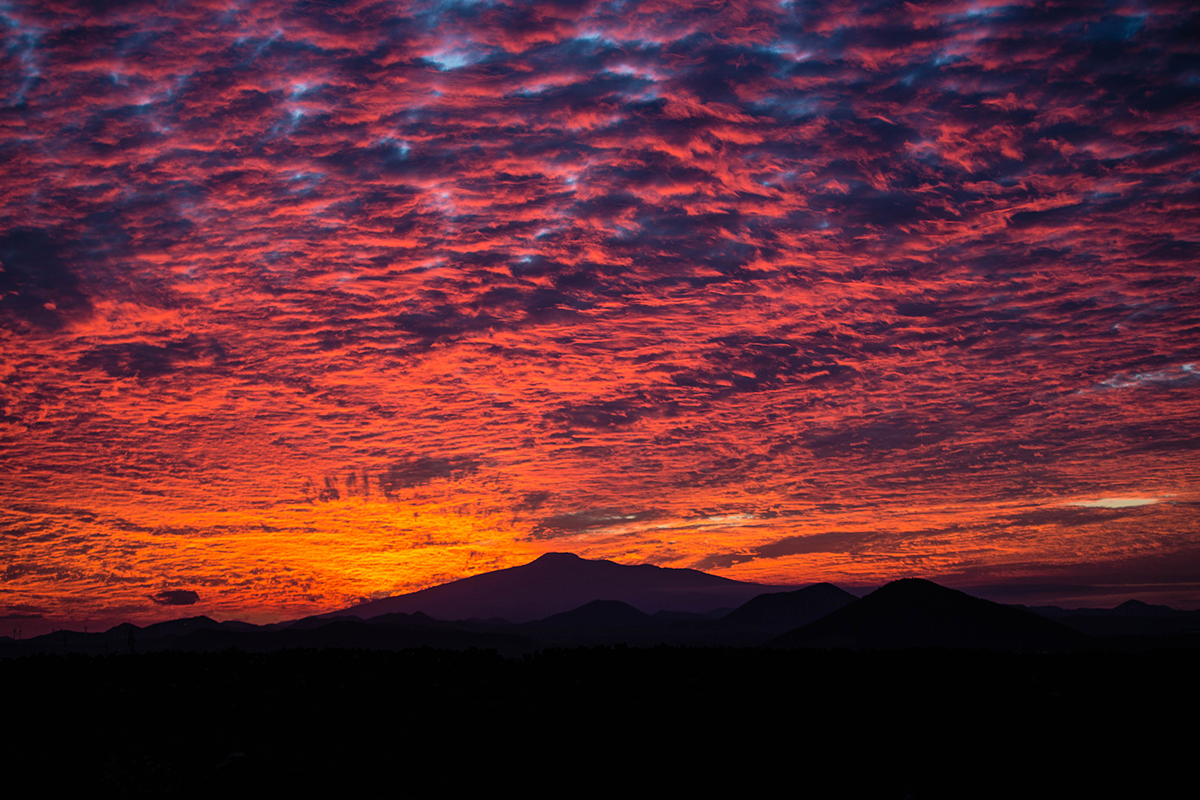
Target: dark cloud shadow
<point>420,470</point>
<point>36,283</point>
<point>175,597</point>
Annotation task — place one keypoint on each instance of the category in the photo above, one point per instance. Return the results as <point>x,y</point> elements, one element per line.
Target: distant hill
<point>1131,618</point>
<point>920,613</point>
<point>599,614</point>
<point>785,611</point>
<point>187,625</point>
<point>560,582</point>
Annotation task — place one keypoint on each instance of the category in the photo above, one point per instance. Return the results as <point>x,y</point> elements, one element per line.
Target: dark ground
<point>913,723</point>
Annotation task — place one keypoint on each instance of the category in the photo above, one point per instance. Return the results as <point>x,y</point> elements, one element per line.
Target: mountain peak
<point>914,585</point>
<point>599,614</point>
<point>549,558</point>
<point>784,611</point>
<point>558,582</point>
<point>1136,608</point>
<point>914,612</point>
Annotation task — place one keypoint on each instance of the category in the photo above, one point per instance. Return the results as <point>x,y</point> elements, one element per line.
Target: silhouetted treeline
<point>911,723</point>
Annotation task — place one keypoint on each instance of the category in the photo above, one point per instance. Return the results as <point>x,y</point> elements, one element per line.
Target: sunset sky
<point>306,303</point>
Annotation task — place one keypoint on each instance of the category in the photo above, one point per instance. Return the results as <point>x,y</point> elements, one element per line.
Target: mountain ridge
<point>913,612</point>
<point>556,583</point>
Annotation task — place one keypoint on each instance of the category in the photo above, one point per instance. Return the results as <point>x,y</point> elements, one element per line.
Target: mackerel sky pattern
<point>303,303</point>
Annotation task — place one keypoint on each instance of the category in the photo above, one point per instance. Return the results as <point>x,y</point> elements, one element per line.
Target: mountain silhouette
<point>1136,608</point>
<point>599,614</point>
<point>919,613</point>
<point>187,625</point>
<point>1131,618</point>
<point>560,582</point>
<point>785,611</point>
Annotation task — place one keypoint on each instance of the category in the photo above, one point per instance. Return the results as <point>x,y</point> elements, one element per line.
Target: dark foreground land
<point>816,723</point>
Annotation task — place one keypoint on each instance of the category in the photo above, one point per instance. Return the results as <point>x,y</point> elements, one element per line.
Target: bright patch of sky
<point>977,10</point>
<point>635,71</point>
<point>791,51</point>
<point>1181,375</point>
<point>592,37</point>
<point>454,57</point>
<point>1116,502</point>
<point>395,145</point>
<point>719,521</point>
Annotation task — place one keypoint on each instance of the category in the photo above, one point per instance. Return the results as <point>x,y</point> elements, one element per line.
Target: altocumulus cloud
<point>479,278</point>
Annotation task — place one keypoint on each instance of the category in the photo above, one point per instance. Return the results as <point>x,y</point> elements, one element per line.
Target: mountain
<point>919,613</point>
<point>599,614</point>
<point>1136,608</point>
<point>187,625</point>
<point>560,582</point>
<point>785,611</point>
<point>1131,618</point>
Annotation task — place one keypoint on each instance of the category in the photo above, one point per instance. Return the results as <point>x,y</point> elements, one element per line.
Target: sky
<point>306,303</point>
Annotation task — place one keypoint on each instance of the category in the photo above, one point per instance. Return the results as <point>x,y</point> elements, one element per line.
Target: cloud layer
<point>308,302</point>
